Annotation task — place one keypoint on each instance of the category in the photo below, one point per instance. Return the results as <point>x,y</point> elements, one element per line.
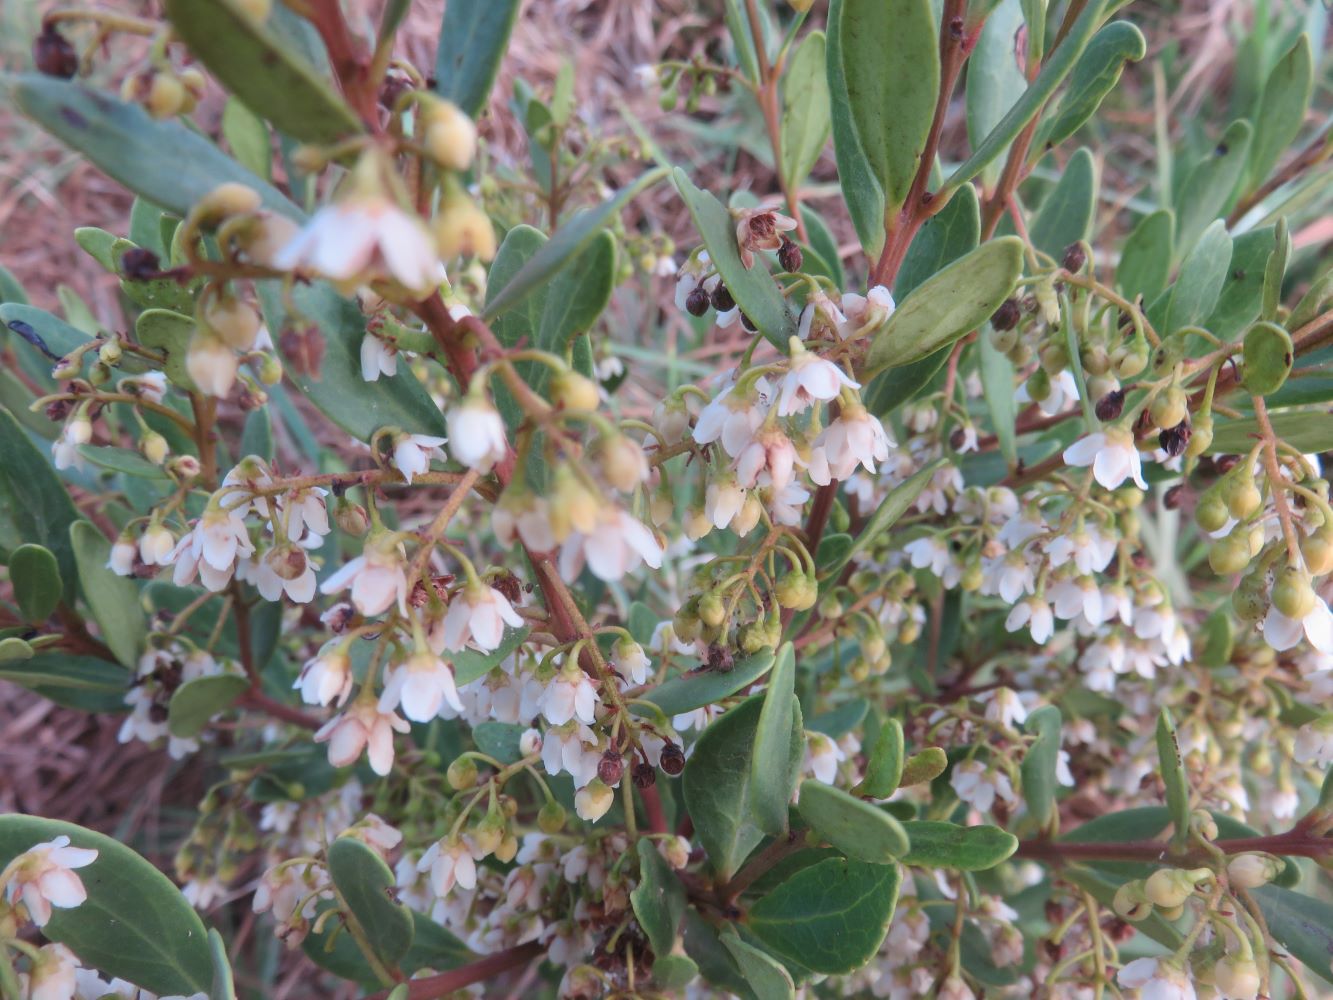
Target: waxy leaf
<point>857,829</point>
<point>830,917</point>
<point>705,686</point>
<point>196,702</point>
<point>772,772</point>
<point>714,960</point>
<point>1173,776</point>
<point>134,924</point>
<point>766,976</point>
<point>124,460</point>
<point>893,506</point>
<point>1145,260</point>
<point>1308,431</point>
<point>224,983</point>
<point>433,947</point>
<point>366,884</point>
<point>1094,76</point>
<point>891,65</point>
<point>248,138</point>
<point>1242,296</point>
<point>1300,924</point>
<point>114,599</point>
<point>255,65</point>
<point>35,576</point>
<point>926,765</point>
<point>1199,284</point>
<point>717,784</point>
<point>34,506</point>
<point>473,38</point>
<point>1281,110</point>
<point>469,664</point>
<point>1275,271</point>
<point>965,848</point>
<point>1065,215</point>
<point>659,898</point>
<point>753,288</point>
<point>862,192</point>
<point>995,79</point>
<point>805,109</point>
<point>949,305</point>
<point>884,767</point>
<point>1039,764</point>
<point>1208,187</point>
<point>501,740</point>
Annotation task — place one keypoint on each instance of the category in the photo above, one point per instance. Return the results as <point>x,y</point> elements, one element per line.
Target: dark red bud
<point>644,775</point>
<point>1110,406</point>
<point>610,767</point>
<point>790,256</point>
<point>54,55</point>
<point>696,303</point>
<point>1075,257</point>
<point>673,759</point>
<point>1007,316</point>
<point>721,299</point>
<point>138,264</point>
<point>1173,440</point>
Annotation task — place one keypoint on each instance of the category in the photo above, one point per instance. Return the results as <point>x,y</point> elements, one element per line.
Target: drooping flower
<point>121,559</point>
<point>1112,455</point>
<point>378,357</point>
<point>979,786</point>
<point>771,454</point>
<point>362,728</point>
<point>593,800</point>
<point>1157,979</point>
<point>326,677</point>
<point>477,433</point>
<point>854,438</point>
<point>1316,625</point>
<point>412,453</point>
<point>616,547</point>
<point>809,378</point>
<point>377,577</point>
<point>211,549</point>
<point>569,695</point>
<point>450,862</point>
<point>53,974</point>
<point>43,877</point>
<point>478,614</point>
<point>757,229</point>
<point>421,686</point>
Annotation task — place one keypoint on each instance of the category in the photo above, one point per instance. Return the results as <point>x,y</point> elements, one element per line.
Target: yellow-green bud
<point>551,818</point>
<point>1243,499</point>
<point>1130,902</point>
<point>1169,408</point>
<point>1230,554</point>
<point>1293,595</point>
<point>1211,513</point>
<point>712,609</point>
<point>448,134</point>
<point>570,390</point>
<point>462,774</point>
<point>154,447</point>
<point>796,591</point>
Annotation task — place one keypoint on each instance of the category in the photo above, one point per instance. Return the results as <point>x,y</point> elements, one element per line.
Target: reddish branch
<point>432,987</point>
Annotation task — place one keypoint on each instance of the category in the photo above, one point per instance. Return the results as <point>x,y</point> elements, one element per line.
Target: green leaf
<point>1208,187</point>
<point>717,785</point>
<point>753,288</point>
<point>997,385</point>
<point>894,506</point>
<point>196,702</point>
<point>14,649</point>
<point>1139,823</point>
<point>1268,356</point>
<point>824,246</point>
<point>46,339</point>
<point>704,687</point>
<point>34,506</point>
<point>805,109</point>
<point>1094,76</point>
<point>927,765</point>
<point>837,722</point>
<point>674,972</point>
<point>891,64</point>
<point>469,664</point>
<point>224,984</point>
<point>257,435</point>
<point>1311,304</point>
<point>884,766</point>
<point>766,976</point>
<point>860,190</point>
<point>114,600</point>
<point>1053,72</point>
<point>1145,261</point>
<point>830,917</point>
<point>248,138</point>
<point>1275,271</point>
<point>773,772</point>
<point>51,671</point>
<point>10,288</point>
<point>134,925</point>
<point>473,38</point>
<point>1039,764</point>
<point>433,948</point>
<point>952,232</point>
<point>124,460</point>
<point>366,884</point>
<point>1309,432</point>
<point>1066,214</point>
<point>964,848</point>
<point>97,243</point>
<point>1173,776</point>
<point>252,63</point>
<point>949,305</point>
<point>1242,295</point>
<point>164,160</point>
<point>501,740</point>
<point>169,332</point>
<point>1199,284</point>
<point>714,961</point>
<point>995,79</point>
<point>337,389</point>
<point>1281,110</point>
<point>35,576</point>
<point>569,240</point>
<point>659,898</point>
<point>857,829</point>
<point>1302,925</point>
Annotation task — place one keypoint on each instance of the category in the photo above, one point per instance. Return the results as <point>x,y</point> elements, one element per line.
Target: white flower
<point>570,695</point>
<point>363,237</point>
<point>809,378</point>
<point>770,453</point>
<point>822,757</point>
<point>1112,455</point>
<point>953,988</point>
<point>1156,979</point>
<point>732,419</point>
<point>422,686</point>
<point>412,453</point>
<point>43,876</point>
<point>855,438</point>
<point>593,800</point>
<point>478,613</point>
<point>450,863</point>
<point>211,549</point>
<point>1282,632</point>
<point>978,786</point>
<point>1003,707</point>
<point>326,677</point>
<point>571,748</point>
<point>360,728</point>
<point>523,515</point>
<point>1034,613</point>
<point>723,500</point>
<point>866,311</point>
<point>65,451</point>
<point>630,661</point>
<point>285,568</point>
<point>53,974</point>
<point>156,544</point>
<point>476,433</point>
<point>615,548</point>
<point>1314,743</point>
<point>378,357</point>
<point>121,561</point>
<point>376,577</point>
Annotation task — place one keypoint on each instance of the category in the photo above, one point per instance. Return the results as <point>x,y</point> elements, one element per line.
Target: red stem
<point>432,987</point>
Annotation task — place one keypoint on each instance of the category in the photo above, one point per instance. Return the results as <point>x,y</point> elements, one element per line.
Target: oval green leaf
<point>1173,776</point>
<point>659,898</point>
<point>1268,356</point>
<point>35,576</point>
<point>861,191</point>
<point>1039,764</point>
<point>857,829</point>
<point>1094,76</point>
<point>34,505</point>
<point>963,848</point>
<point>805,109</point>
<point>884,767</point>
<point>197,701</point>
<point>366,884</point>
<point>773,772</point>
<point>766,976</point>
<point>473,37</point>
<point>705,686</point>
<point>114,599</point>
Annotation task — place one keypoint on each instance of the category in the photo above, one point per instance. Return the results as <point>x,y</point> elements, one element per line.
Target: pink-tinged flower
<point>378,357</point>
<point>630,661</point>
<point>307,515</point>
<point>327,677</point>
<point>593,800</point>
<point>211,549</point>
<point>1156,979</point>
<point>1112,455</point>
<point>1004,707</point>
<point>867,311</point>
<point>770,454</point>
<point>723,501</point>
<point>570,748</point>
<point>732,419</point>
<point>822,757</point>
<point>412,453</point>
<point>53,975</point>
<point>43,877</point>
<point>809,378</point>
<point>377,577</point>
<point>855,438</point>
<point>477,433</point>
<point>421,686</point>
<point>1314,743</point>
<point>479,614</point>
<point>156,544</point>
<point>570,695</point>
<point>977,785</point>
<point>1282,632</point>
<point>616,547</point>
<point>523,515</point>
<point>450,862</point>
<point>760,230</point>
<point>285,568</point>
<point>362,728</point>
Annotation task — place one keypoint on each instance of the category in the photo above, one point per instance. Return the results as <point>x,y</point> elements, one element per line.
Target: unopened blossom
<point>52,975</point>
<point>523,515</point>
<point>478,614</point>
<point>569,695</point>
<point>1157,979</point>
<point>476,432</point>
<point>1314,743</point>
<point>378,357</point>
<point>377,577</point>
<point>867,311</point>
<point>822,757</point>
<point>421,686</point>
<point>43,876</point>
<point>979,786</point>
<point>954,988</point>
<point>211,549</point>
<point>854,439</point>
<point>121,559</point>
<point>450,862</point>
<point>327,677</point>
<point>770,454</point>
<point>617,546</point>
<point>760,230</point>
<point>630,661</point>
<point>809,379</point>
<point>362,728</point>
<point>280,891</point>
<point>412,453</point>
<point>593,800</point>
<point>1113,455</point>
<point>156,544</point>
<point>1282,632</point>
<point>1004,707</point>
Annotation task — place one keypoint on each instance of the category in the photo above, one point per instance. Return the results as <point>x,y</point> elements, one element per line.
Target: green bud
<point>1230,554</point>
<point>712,609</point>
<point>551,818</point>
<point>1268,355</point>
<point>462,774</point>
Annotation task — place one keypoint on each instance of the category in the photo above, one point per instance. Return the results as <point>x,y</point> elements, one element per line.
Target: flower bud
<point>622,461</point>
<point>753,637</point>
<point>593,800</point>
<point>1230,554</point>
<point>712,609</point>
<point>462,774</point>
<point>1039,386</point>
<point>1237,977</point>
<point>1250,599</point>
<point>211,364</point>
<point>1202,437</point>
<point>748,516</point>
<point>1168,887</point>
<point>234,320</point>
<point>122,556</point>
<point>351,517</point>
<point>530,742</point>
<point>166,96</point>
<point>79,429</point>
<point>489,833</point>
<point>611,767</point>
<point>1250,871</point>
<point>53,55</point>
<point>448,134</point>
<point>796,591</point>
<point>675,850</point>
<point>184,467</point>
<point>1134,361</point>
<point>1007,316</point>
<point>673,759</point>
<point>1131,903</point>
<point>573,506</point>
<point>1292,594</point>
<point>110,353</point>
<point>1211,513</point>
<point>1243,498</point>
<point>462,229</point>
<point>1317,549</point>
<point>570,390</point>
<point>1169,408</point>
